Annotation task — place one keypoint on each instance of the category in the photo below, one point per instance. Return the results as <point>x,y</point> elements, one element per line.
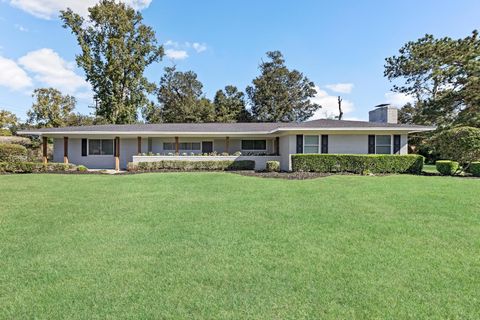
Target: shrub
<point>273,166</point>
<point>447,167</point>
<point>183,165</point>
<point>358,163</point>
<point>12,152</point>
<point>460,144</point>
<point>34,167</point>
<point>474,168</point>
<point>82,168</point>
<point>5,132</point>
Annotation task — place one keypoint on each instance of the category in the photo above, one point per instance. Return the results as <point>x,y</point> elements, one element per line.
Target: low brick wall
<point>260,161</point>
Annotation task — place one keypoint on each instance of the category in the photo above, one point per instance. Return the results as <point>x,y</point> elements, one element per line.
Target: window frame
<point>384,145</point>
<point>253,150</point>
<point>318,145</point>
<point>180,143</point>
<point>101,147</point>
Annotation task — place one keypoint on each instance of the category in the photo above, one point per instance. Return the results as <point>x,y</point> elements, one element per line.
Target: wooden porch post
<point>227,144</point>
<point>44,148</point>
<point>277,146</point>
<point>65,150</point>
<point>139,145</point>
<point>117,153</point>
<point>176,144</point>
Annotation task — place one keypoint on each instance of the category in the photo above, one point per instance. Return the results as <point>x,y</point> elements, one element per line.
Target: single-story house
<point>113,146</point>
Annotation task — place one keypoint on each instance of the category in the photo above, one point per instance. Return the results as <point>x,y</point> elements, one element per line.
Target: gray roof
<point>260,127</point>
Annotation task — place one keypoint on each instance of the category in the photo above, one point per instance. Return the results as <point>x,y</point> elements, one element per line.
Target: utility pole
<point>340,112</point>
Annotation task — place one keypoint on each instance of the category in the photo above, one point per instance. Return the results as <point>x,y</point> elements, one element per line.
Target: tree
<point>279,94</point>
<point>443,75</point>
<point>78,119</point>
<point>51,108</point>
<point>181,99</point>
<point>230,106</point>
<point>8,122</point>
<point>116,48</point>
<point>460,144</point>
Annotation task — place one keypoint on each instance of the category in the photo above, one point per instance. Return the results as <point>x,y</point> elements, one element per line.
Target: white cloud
<point>329,105</point>
<point>21,28</point>
<point>398,99</point>
<point>12,76</point>
<point>176,54</point>
<point>179,51</point>
<point>199,47</point>
<point>340,87</point>
<point>48,9</point>
<point>171,43</point>
<point>50,69</point>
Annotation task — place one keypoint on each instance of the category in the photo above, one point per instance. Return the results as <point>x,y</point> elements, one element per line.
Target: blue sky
<point>340,45</point>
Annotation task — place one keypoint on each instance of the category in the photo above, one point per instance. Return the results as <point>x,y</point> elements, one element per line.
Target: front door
<point>207,146</point>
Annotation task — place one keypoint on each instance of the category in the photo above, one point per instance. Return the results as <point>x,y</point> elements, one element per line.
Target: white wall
<point>339,143</point>
<point>348,144</point>
<point>288,146</point>
<point>75,155</point>
<point>404,144</point>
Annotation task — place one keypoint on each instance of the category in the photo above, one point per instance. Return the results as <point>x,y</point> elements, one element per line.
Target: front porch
<point>115,152</point>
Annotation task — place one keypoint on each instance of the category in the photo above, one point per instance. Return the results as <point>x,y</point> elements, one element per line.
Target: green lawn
<point>430,168</point>
<point>219,245</point>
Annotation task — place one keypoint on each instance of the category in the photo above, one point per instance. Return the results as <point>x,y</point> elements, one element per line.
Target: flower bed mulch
<point>283,175</point>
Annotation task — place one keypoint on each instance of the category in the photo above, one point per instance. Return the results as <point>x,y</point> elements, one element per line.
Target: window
<point>150,144</point>
<point>97,147</point>
<point>254,145</point>
<point>190,146</point>
<point>383,144</point>
<point>186,146</point>
<point>168,146</point>
<point>310,144</point>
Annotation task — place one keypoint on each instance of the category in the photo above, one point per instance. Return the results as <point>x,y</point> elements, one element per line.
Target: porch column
<point>176,144</point>
<point>139,145</point>
<point>117,153</point>
<point>277,146</point>
<point>227,144</point>
<point>65,150</point>
<point>44,148</point>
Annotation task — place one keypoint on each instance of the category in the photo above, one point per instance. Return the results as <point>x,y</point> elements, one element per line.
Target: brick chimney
<point>384,113</point>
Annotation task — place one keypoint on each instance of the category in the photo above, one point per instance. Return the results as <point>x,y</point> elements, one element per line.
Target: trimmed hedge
<point>356,163</point>
<point>272,166</point>
<point>12,152</point>
<point>180,165</point>
<point>474,168</point>
<point>34,167</point>
<point>447,167</point>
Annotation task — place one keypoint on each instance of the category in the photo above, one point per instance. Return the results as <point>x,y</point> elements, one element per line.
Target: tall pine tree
<point>280,94</point>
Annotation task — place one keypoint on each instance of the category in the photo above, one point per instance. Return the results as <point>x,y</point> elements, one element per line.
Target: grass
<point>430,168</point>
<point>218,245</point>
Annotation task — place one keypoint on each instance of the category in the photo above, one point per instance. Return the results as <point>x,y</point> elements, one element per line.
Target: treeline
<point>116,48</point>
<point>443,77</point>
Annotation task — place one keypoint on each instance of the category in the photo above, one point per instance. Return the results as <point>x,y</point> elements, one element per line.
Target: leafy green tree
<point>443,75</point>
<point>460,144</point>
<point>280,94</point>
<point>8,122</point>
<point>181,99</point>
<point>230,105</point>
<point>51,108</point>
<point>206,110</point>
<point>78,119</point>
<point>116,48</point>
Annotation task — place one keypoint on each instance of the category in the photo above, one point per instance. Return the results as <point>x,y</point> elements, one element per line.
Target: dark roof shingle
<point>226,127</point>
